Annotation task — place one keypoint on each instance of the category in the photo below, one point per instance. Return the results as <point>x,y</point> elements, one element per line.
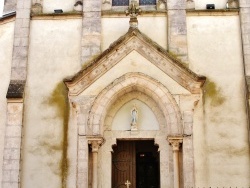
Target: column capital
<point>95,143</point>
<point>175,142</point>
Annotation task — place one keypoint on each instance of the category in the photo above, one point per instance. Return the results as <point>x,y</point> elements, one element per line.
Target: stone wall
<point>6,42</point>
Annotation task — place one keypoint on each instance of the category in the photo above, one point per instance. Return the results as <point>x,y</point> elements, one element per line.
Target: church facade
<point>124,93</point>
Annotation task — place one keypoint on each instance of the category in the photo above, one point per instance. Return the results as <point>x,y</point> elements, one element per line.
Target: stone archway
<point>135,82</point>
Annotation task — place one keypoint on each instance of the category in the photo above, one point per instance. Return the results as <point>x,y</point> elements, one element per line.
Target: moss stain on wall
<point>212,92</point>
<point>59,99</point>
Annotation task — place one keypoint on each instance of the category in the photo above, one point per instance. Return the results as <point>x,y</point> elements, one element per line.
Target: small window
<point>120,2</point>
<point>147,2</point>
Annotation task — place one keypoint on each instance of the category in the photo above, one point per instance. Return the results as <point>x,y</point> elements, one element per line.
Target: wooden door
<point>123,164</point>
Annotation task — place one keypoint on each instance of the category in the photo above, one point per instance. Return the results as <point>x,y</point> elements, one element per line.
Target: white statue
<point>134,114</point>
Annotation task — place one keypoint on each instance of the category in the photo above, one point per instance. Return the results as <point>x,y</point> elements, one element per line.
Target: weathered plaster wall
<point>157,33</point>
<point>50,5</point>
<point>220,129</point>
<point>6,42</point>
<point>219,4</point>
<point>54,54</point>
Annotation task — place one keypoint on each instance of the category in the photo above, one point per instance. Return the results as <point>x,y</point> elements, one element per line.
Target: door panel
<point>136,161</point>
<point>123,164</point>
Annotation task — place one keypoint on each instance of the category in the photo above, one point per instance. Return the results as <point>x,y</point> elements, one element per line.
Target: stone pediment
<point>134,40</point>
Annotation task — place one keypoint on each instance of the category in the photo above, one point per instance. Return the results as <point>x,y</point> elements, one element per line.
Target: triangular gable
<point>135,40</point>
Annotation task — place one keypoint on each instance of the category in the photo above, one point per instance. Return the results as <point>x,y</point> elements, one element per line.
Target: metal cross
<point>127,183</point>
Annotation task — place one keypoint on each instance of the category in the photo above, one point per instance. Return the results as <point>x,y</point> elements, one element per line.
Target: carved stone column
<point>175,142</point>
<point>95,144</point>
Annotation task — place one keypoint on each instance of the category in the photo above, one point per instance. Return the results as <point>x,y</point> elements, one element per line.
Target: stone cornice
<point>113,13</point>
<point>95,143</point>
<point>175,142</point>
<point>52,16</point>
<point>214,12</point>
<point>8,18</point>
<point>16,89</point>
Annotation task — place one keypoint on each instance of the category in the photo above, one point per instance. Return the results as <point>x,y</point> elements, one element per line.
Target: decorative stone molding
<point>161,5</point>
<point>37,8</point>
<point>190,4</point>
<point>175,142</point>
<point>135,82</point>
<point>95,143</point>
<point>78,6</point>
<point>232,4</point>
<point>106,5</point>
<point>133,11</point>
<point>135,40</point>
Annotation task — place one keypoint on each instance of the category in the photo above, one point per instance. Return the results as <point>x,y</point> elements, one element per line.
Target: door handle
<point>127,183</point>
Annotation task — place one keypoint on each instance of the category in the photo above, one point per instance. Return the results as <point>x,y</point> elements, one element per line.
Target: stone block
<point>23,13</point>
<point>245,10</point>
<point>24,41</point>
<point>13,142</point>
<point>18,24</point>
<point>14,175</point>
<point>11,154</point>
<point>246,39</point>
<point>10,185</point>
<point>82,130</point>
<point>188,128</point>
<point>247,64</point>
<point>93,15</point>
<point>86,51</point>
<point>245,18</point>
<point>246,49</point>
<point>20,52</point>
<point>176,4</point>
<point>91,5</point>
<point>82,143</point>
<point>82,166</point>
<point>19,4</point>
<point>244,3</point>
<point>27,4</point>
<point>26,23</point>
<point>91,27</point>
<point>95,50</point>
<point>188,116</point>
<point>18,73</point>
<point>21,32</point>
<point>11,164</point>
<point>15,108</point>
<point>13,131</point>
<point>6,175</point>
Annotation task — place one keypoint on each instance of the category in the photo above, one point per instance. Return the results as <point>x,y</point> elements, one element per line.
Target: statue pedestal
<point>133,127</point>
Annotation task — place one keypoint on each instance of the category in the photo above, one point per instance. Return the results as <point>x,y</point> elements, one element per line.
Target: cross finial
<point>133,11</point>
<point>127,183</point>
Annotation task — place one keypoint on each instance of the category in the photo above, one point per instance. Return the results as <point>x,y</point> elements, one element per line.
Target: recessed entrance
<point>137,163</point>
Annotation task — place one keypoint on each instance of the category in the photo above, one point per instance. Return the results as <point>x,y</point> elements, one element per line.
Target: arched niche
<point>146,118</point>
<point>135,82</point>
